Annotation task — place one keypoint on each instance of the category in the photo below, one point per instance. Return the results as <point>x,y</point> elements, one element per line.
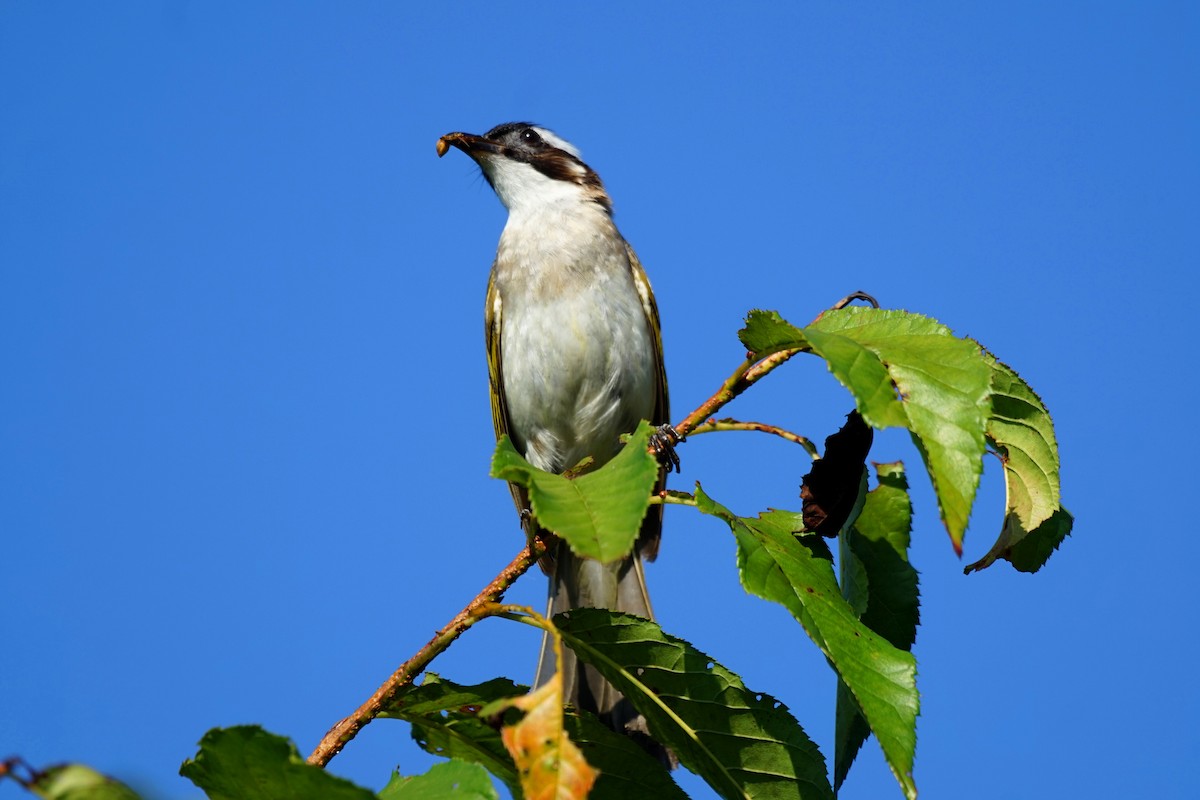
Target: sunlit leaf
<point>776,566</point>
<point>77,782</point>
<point>599,513</point>
<point>744,744</point>
<point>861,371</point>
<point>766,333</point>
<point>1022,433</point>
<point>551,767</point>
<point>452,780</point>
<point>943,385</point>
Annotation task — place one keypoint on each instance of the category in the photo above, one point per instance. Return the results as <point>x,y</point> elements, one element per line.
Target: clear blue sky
<point>244,427</point>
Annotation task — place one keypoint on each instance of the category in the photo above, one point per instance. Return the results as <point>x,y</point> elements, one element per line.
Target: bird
<point>575,360</point>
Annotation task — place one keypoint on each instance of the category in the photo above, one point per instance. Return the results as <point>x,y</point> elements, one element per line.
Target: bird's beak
<point>469,143</point>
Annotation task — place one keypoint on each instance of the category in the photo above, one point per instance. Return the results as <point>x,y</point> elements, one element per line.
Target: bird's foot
<point>663,442</point>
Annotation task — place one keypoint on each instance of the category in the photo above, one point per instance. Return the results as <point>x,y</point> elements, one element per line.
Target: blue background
<point>244,427</point>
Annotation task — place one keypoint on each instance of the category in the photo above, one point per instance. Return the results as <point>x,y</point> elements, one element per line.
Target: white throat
<point>523,190</point>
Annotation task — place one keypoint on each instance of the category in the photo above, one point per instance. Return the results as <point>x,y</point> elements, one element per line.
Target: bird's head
<point>530,167</point>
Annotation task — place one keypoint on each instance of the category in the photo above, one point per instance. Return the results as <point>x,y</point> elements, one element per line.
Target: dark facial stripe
<point>552,162</point>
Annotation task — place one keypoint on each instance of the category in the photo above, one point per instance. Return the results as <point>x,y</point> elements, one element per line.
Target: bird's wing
<point>492,329</point>
<point>493,322</point>
<point>652,525</point>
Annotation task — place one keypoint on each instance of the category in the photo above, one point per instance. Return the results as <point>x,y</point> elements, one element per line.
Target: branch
<point>751,371</point>
<point>729,424</point>
<point>484,605</point>
<point>745,376</point>
<point>673,497</point>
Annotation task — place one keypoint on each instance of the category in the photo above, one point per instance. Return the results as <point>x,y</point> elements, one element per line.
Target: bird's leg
<point>663,442</point>
<point>528,525</point>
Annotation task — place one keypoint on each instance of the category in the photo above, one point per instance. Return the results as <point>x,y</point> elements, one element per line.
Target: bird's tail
<point>577,582</point>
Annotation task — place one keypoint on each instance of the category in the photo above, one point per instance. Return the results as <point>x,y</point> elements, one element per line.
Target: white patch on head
<point>522,188</point>
<point>554,140</point>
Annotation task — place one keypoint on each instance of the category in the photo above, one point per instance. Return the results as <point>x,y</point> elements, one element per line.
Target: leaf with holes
<point>445,721</point>
<point>745,744</point>
<point>551,767</point>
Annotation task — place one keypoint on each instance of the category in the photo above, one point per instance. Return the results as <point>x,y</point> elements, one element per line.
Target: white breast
<point>577,351</point>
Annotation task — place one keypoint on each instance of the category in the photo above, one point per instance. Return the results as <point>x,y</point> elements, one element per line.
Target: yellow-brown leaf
<point>550,765</point>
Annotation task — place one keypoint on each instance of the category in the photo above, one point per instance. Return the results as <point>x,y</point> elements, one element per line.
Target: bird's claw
<point>663,442</point>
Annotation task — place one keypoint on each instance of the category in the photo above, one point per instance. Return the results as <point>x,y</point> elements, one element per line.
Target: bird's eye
<point>530,137</point>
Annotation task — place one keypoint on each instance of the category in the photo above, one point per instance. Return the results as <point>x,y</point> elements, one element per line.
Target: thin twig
<point>9,769</point>
<point>481,607</point>
<point>730,424</point>
<point>850,298</point>
<point>674,497</point>
<point>745,376</point>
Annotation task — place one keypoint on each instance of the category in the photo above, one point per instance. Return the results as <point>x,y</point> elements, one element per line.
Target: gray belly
<point>578,373</point>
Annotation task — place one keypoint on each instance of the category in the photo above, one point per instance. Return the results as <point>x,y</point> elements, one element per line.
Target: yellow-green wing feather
<point>652,525</point>
<point>493,320</point>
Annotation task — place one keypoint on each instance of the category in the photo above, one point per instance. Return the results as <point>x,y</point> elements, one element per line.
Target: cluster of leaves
<point>903,370</point>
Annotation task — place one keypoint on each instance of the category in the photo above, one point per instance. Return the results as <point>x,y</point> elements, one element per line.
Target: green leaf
<point>454,780</point>
<point>248,763</point>
<point>776,566</point>
<point>1026,550</point>
<point>599,513</point>
<point>627,772</point>
<point>744,744</point>
<point>767,333</point>
<point>944,385</point>
<point>879,540</point>
<point>883,591</point>
<point>445,722</point>
<point>1022,433</point>
<point>77,782</point>
<point>1032,550</point>
<point>862,372</point>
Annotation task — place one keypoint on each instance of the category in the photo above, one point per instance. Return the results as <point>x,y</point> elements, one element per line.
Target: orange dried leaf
<point>550,765</point>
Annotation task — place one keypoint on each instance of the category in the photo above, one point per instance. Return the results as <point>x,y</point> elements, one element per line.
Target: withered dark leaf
<point>831,488</point>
